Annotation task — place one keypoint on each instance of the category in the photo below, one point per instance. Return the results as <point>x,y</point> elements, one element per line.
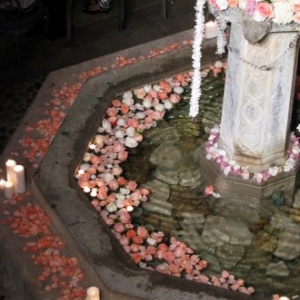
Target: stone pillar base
<point>247,191</point>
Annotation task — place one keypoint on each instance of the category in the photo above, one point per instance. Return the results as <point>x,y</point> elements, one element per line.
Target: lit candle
<point>8,189</point>
<point>10,164</point>
<point>92,293</point>
<point>2,182</point>
<point>211,30</point>
<point>20,185</point>
<point>284,298</point>
<point>86,189</point>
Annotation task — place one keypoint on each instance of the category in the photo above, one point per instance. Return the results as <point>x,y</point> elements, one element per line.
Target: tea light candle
<point>8,189</point>
<point>86,189</point>
<point>92,293</point>
<point>2,182</point>
<point>10,164</point>
<point>20,185</point>
<point>211,30</point>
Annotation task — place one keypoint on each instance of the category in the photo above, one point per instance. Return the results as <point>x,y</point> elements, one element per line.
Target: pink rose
<point>233,3</point>
<point>296,7</point>
<point>174,98</point>
<point>119,227</point>
<point>265,9</point>
<point>296,18</point>
<point>142,232</point>
<point>112,111</point>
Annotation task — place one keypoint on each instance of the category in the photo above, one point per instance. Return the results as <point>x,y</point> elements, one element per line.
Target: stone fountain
<point>250,115</point>
<point>107,265</point>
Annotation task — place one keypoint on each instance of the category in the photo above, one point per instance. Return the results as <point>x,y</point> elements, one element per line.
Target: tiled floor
<point>93,36</point>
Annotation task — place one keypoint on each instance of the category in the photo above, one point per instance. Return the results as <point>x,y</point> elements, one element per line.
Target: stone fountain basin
<point>106,264</point>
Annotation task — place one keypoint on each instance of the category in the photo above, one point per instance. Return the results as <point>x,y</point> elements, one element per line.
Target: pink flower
<point>175,270</point>
<point>152,94</point>
<point>209,190</point>
<point>144,191</point>
<point>124,109</point>
<point>118,147</point>
<point>138,240</point>
<point>113,184</point>
<point>95,159</point>
<point>102,192</point>
<point>134,247</point>
<point>132,185</point>
<point>136,257</point>
<point>132,122</point>
<point>122,181</point>
<point>151,250</point>
<point>140,93</point>
<point>179,252</point>
<point>163,268</point>
<point>124,240</point>
<point>136,195</point>
<point>296,18</point>
<point>158,236</point>
<point>265,9</point>
<point>116,103</point>
<point>142,232</point>
<point>162,95</point>
<point>165,86</point>
<point>111,198</point>
<point>119,227</point>
<point>122,155</point>
<point>116,170</point>
<point>202,278</point>
<point>159,254</point>
<point>174,98</point>
<point>112,111</point>
<point>232,3</point>
<point>124,216</point>
<point>138,138</point>
<point>296,7</point>
<point>225,274</point>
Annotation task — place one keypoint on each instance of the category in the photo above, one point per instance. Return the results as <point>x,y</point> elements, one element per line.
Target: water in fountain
<point>253,243</point>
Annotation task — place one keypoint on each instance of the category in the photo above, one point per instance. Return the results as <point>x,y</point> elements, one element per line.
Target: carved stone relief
<point>257,97</point>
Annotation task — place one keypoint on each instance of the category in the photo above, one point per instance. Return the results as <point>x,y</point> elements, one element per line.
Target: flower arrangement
<point>278,11</point>
<point>231,167</point>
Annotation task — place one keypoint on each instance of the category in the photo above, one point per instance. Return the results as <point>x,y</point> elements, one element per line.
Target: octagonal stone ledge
<point>105,262</point>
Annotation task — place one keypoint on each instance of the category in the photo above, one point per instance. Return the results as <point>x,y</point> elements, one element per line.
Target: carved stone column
<point>258,96</point>
<point>257,108</point>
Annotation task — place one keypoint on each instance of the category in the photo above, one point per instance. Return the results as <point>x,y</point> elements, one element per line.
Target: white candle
<point>86,189</point>
<point>8,189</point>
<point>284,298</point>
<point>2,182</point>
<point>211,29</point>
<point>10,164</point>
<point>92,293</point>
<point>20,185</point>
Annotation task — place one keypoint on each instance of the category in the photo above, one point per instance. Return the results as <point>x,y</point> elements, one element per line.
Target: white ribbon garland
<point>198,37</point>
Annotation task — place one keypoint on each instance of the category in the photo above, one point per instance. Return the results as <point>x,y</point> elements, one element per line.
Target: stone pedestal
<point>257,109</point>
<point>238,190</point>
<point>258,97</point>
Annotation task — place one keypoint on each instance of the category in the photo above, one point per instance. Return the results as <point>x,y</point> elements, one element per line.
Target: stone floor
<point>93,36</point>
